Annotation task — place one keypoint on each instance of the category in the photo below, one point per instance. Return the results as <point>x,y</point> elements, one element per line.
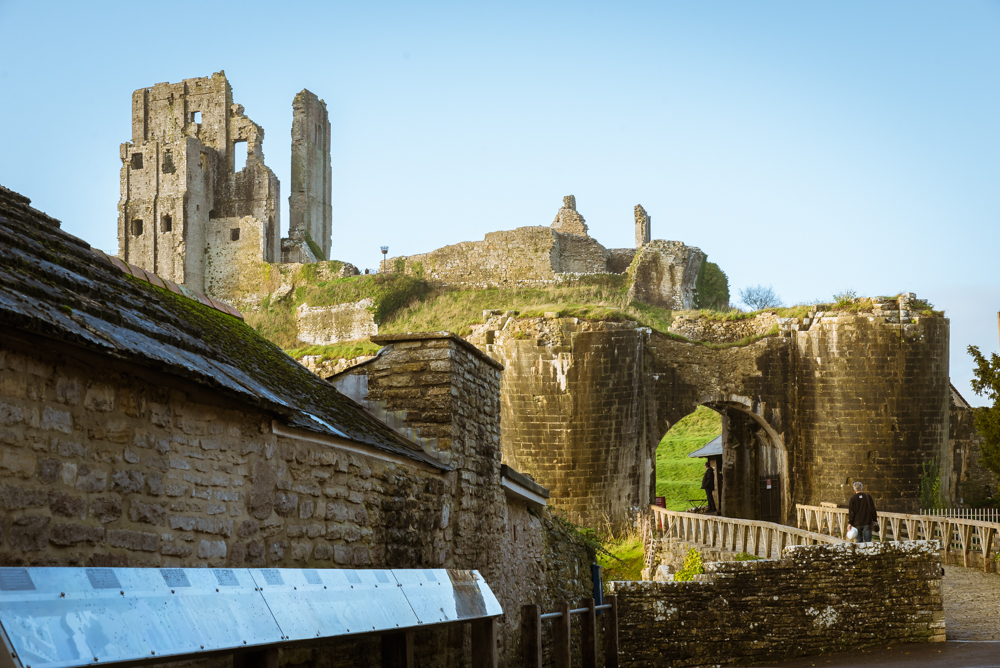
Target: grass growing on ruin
<point>601,297</point>
<point>275,319</point>
<point>678,477</point>
<point>345,350</point>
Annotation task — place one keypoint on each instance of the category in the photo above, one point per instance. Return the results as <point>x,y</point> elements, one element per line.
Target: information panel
<point>64,617</point>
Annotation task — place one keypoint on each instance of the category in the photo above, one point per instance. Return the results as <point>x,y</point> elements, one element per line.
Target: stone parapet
<point>814,599</point>
<point>326,325</point>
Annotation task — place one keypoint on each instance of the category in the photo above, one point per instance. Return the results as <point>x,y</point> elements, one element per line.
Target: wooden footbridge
<point>966,542</point>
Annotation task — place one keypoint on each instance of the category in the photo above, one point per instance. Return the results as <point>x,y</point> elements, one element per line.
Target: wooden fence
<point>956,534</point>
<point>562,619</point>
<point>761,539</point>
<point>984,514</point>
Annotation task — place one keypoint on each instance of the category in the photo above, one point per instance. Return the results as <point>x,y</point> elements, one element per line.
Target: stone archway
<point>755,462</point>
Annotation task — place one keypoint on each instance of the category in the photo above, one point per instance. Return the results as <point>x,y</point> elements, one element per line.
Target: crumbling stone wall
<point>815,599</point>
<point>233,248</point>
<point>178,174</point>
<point>568,220</point>
<point>325,325</point>
<point>971,482</point>
<point>309,206</point>
<point>642,227</point>
<point>665,273</point>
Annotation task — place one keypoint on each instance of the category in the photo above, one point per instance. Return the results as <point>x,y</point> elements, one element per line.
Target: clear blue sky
<point>811,146</point>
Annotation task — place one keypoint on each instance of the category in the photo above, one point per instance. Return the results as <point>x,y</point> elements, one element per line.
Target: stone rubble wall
<point>326,325</point>
<point>814,599</point>
<point>697,327</point>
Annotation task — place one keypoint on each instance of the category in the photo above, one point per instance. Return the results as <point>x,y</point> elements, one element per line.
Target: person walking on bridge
<point>861,513</point>
<point>708,484</point>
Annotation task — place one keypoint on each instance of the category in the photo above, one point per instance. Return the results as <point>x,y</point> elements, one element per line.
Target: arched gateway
<point>809,403</point>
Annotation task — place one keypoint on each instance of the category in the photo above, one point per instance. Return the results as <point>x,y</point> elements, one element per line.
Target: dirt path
<point>971,604</point>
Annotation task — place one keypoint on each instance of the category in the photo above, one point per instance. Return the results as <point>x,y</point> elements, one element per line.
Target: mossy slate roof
<point>54,285</point>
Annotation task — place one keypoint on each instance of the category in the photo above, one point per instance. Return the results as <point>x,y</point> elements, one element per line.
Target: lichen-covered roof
<point>54,285</point>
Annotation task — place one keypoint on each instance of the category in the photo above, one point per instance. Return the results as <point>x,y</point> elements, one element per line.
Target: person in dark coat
<point>708,484</point>
<point>861,513</point>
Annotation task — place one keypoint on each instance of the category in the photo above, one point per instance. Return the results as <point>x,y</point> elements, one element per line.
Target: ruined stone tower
<point>309,205</point>
<point>186,213</point>
<point>568,220</point>
<point>642,230</point>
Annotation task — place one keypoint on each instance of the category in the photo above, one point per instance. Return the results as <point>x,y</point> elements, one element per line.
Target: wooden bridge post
<point>987,543</point>
<point>484,643</point>
<point>588,634</point>
<point>531,636</point>
<point>611,632</point>
<point>562,650</point>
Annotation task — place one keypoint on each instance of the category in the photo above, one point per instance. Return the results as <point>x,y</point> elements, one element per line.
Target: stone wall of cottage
<point>102,464</point>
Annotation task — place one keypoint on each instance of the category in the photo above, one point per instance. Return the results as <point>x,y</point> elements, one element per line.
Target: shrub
<point>692,566</point>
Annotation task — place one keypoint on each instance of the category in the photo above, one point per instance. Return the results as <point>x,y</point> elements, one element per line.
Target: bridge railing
<point>760,539</point>
<point>957,535</point>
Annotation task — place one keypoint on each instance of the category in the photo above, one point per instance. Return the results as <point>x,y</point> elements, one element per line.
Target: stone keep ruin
<point>187,214</point>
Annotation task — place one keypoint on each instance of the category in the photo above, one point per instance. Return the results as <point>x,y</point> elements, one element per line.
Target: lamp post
<point>385,251</point>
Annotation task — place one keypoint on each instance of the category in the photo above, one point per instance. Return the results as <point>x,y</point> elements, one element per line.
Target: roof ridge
<point>166,284</point>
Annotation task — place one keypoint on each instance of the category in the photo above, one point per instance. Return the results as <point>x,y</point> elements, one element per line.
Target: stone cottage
<point>144,424</point>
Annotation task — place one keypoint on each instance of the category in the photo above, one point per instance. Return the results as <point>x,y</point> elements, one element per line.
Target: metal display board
<point>67,617</point>
<point>440,595</point>
<point>333,602</point>
<point>59,617</point>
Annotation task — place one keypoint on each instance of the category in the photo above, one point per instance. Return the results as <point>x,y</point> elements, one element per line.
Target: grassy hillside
<point>678,477</point>
<point>405,303</point>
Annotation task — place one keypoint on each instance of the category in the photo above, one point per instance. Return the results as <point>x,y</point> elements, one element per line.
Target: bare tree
<point>758,297</point>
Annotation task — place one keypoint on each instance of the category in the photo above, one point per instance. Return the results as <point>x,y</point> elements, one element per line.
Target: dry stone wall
<point>815,599</point>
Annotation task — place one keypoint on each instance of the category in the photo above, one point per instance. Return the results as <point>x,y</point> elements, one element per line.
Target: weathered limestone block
<point>325,325</point>
<point>664,273</point>
<point>700,328</point>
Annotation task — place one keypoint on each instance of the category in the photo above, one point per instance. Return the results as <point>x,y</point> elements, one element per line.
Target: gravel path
<point>971,604</point>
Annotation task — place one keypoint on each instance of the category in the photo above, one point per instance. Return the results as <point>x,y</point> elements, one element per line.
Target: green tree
<point>712,286</point>
<point>987,420</point>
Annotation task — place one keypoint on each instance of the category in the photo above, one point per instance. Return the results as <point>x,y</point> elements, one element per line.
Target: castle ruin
<point>192,211</point>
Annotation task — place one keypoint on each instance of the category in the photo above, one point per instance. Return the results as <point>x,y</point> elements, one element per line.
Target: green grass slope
<point>678,477</point>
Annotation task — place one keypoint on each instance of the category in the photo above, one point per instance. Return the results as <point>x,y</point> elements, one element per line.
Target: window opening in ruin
<point>136,228</point>
<point>212,214</point>
<point>203,160</point>
<point>196,117</point>
<point>268,244</point>
<point>137,161</point>
<point>168,161</point>
<point>166,224</point>
<point>234,234</point>
<point>240,153</point>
